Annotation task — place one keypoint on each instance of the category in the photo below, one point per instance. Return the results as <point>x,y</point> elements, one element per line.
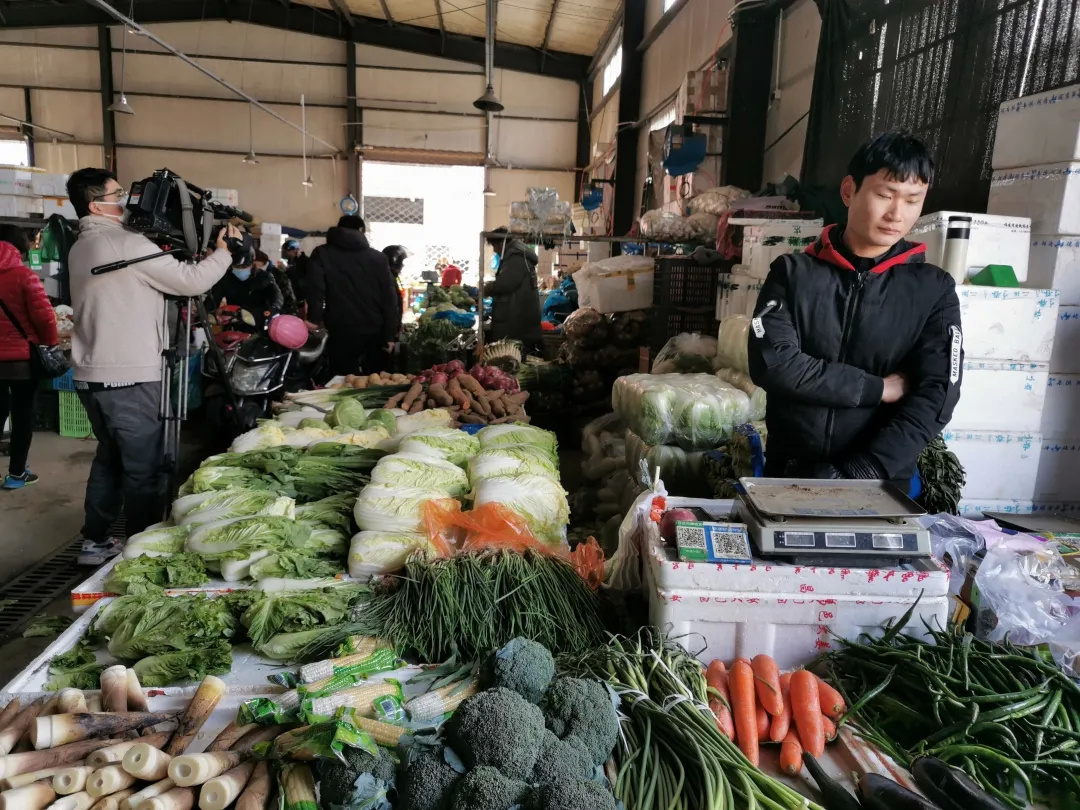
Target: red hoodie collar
<point>823,249</point>
<point>9,256</point>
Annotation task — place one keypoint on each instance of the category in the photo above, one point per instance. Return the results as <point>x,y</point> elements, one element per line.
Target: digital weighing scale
<point>864,523</point>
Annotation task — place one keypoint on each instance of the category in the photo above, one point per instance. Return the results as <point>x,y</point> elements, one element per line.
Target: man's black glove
<point>860,467</point>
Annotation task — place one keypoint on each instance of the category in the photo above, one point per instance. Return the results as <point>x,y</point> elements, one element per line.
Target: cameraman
<point>116,351</point>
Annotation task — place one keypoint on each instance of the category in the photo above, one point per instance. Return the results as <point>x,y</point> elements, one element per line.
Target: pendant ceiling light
<point>489,102</point>
<point>251,159</point>
<point>122,105</point>
<point>307,182</point>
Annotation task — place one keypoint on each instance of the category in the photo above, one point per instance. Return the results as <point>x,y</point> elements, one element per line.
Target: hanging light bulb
<point>251,159</point>
<point>122,105</point>
<point>489,191</point>
<point>308,183</point>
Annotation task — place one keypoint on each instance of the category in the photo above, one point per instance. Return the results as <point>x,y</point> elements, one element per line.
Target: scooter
<point>255,368</point>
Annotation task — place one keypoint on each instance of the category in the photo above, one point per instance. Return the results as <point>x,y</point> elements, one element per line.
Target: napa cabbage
<point>426,472</point>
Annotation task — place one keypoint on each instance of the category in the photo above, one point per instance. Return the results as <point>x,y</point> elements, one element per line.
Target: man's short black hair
<point>903,156</point>
<point>352,222</point>
<point>503,237</point>
<point>14,235</point>
<point>86,186</point>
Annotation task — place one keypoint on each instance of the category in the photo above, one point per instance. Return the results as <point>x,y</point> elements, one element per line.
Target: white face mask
<point>121,204</point>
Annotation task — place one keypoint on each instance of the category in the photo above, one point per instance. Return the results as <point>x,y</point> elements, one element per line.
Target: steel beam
<point>386,13</point>
<point>343,11</point>
<point>749,91</point>
<point>442,25</point>
<point>626,141</point>
<point>547,32</point>
<point>28,126</point>
<point>584,134</point>
<point>108,119</point>
<point>352,120</point>
<point>309,20</point>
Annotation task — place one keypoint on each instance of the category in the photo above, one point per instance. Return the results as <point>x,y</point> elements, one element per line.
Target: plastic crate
<point>46,411</point>
<point>65,382</point>
<point>73,419</point>
<point>684,298</point>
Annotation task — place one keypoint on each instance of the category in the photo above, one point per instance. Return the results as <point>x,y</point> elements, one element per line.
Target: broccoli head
<point>427,781</point>
<point>484,788</point>
<point>498,728</point>
<point>571,796</point>
<point>566,760</point>
<point>522,665</point>
<point>583,709</point>
<point>337,779</point>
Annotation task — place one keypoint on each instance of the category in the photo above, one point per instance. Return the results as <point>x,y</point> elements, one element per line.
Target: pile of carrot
<point>755,704</point>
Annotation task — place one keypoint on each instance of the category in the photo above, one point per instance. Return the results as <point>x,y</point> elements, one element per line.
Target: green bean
<point>994,756</point>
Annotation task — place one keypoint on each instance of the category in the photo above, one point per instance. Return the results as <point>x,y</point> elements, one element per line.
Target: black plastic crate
<point>679,281</point>
<point>676,320</point>
<point>47,411</point>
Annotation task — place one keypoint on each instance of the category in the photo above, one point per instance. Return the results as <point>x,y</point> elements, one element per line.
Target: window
<point>394,209</point>
<point>612,70</point>
<point>14,152</point>
<point>668,4</point>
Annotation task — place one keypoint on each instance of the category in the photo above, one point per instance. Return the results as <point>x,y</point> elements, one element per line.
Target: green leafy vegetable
<point>207,507</point>
<point>348,413</point>
<point>76,669</point>
<point>292,611</point>
<point>150,574</point>
<point>149,624</point>
<point>156,542</point>
<point>382,418</point>
<point>190,664</point>
<point>236,539</point>
<point>295,565</point>
<point>333,512</point>
<point>402,470</point>
<point>45,626</point>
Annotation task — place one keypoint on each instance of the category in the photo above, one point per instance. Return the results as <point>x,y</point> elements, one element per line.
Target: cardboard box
<point>15,181</point>
<point>49,184</point>
<point>12,205</point>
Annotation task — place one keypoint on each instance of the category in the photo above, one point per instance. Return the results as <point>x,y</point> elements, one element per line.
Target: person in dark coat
<point>395,257</point>
<point>351,291</point>
<point>245,287</point>
<point>297,269</point>
<point>515,306</point>
<point>857,341</point>
<point>281,278</point>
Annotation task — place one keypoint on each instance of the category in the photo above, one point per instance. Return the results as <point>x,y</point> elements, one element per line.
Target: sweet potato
<point>453,388</point>
<point>519,398</point>
<point>414,392</point>
<point>469,383</point>
<point>498,409</point>
<point>439,394</point>
<point>417,406</point>
<point>394,401</point>
<point>473,419</point>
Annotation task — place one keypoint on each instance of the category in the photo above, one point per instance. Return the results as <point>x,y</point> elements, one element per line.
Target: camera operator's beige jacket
<point>119,316</point>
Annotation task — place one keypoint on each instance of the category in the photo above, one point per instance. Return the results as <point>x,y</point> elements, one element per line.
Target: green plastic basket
<point>73,419</point>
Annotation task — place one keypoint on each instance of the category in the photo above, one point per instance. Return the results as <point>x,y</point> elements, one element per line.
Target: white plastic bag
<point>716,200</point>
<point>624,566</point>
<point>665,226</point>
<point>686,353</point>
<point>731,343</point>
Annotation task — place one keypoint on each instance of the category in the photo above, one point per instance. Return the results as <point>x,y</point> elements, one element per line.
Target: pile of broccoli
<point>530,740</point>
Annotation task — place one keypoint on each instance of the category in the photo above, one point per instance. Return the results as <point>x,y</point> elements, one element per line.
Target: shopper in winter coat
<point>281,278</point>
<point>515,294</point>
<point>857,341</point>
<point>245,287</point>
<point>351,291</point>
<point>116,350</point>
<point>24,298</point>
<point>297,270</point>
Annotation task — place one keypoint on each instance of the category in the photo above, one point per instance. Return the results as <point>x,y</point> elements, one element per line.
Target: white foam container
<point>737,294</point>
<point>993,240</point>
<point>621,290</point>
<point>786,611</point>
<point>1065,357</point>
<point>976,508</point>
<point>1059,471</point>
<point>1054,263</point>
<point>998,395</point>
<point>1048,193</point>
<point>1043,128</point>
<point>1061,409</point>
<point>764,243</point>
<point>1000,465</point>
<point>1006,323</point>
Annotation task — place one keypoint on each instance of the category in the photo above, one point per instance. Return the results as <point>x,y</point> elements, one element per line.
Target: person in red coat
<point>24,296</point>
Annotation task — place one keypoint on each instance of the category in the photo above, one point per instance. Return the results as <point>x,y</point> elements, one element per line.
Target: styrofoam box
<point>1049,194</point>
<point>58,205</point>
<point>996,394</point>
<point>737,294</point>
<point>12,205</point>
<point>1061,409</point>
<point>15,181</point>
<point>619,290</point>
<point>1000,465</point>
<point>1065,358</point>
<point>975,508</point>
<point>1054,263</point>
<point>48,184</point>
<point>1005,323</point>
<point>994,240</point>
<point>1043,128</point>
<point>762,244</point>
<point>1059,470</point>
<point>225,196</point>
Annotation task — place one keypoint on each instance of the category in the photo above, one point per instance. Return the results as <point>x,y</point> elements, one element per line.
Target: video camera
<point>181,216</point>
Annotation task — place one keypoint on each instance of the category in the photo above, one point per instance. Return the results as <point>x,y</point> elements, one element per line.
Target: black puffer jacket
<point>349,287</point>
<point>515,305</point>
<point>842,325</point>
<point>259,295</point>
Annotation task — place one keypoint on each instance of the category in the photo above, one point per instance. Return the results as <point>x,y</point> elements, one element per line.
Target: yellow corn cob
<point>298,785</point>
<point>320,670</point>
<point>382,733</point>
<point>441,701</point>
<point>359,698</point>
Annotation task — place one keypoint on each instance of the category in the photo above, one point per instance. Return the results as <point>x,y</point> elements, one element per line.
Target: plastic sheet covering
<point>686,354</point>
<point>664,226</point>
<point>717,200</point>
<point>680,470</point>
<point>746,385</point>
<point>694,411</point>
<point>731,343</point>
<point>703,227</point>
<point>542,201</point>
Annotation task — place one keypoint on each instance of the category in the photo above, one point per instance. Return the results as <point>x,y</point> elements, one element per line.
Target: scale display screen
<point>891,541</point>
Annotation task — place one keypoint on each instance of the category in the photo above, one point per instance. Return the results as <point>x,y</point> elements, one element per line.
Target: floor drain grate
<point>25,596</point>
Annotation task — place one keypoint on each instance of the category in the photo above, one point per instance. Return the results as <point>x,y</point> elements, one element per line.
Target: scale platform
<point>867,523</point>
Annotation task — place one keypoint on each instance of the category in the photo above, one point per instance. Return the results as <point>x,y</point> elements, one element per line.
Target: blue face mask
<point>243,275</point>
<point>495,262</point>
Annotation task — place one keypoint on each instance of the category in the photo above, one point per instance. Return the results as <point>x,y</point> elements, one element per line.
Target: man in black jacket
<point>515,304</point>
<point>248,288</point>
<point>857,341</point>
<point>349,288</point>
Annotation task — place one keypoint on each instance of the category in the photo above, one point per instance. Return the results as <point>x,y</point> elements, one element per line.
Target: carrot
<point>791,754</point>
<point>762,722</point>
<point>744,660</point>
<point>832,703</point>
<point>781,723</point>
<point>767,683</point>
<point>394,401</point>
<point>829,727</point>
<point>716,677</point>
<point>414,392</point>
<point>743,709</point>
<point>806,711</point>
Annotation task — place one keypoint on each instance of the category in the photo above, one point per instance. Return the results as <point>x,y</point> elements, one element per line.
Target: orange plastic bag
<point>442,524</point>
<point>494,526</point>
<point>588,560</point>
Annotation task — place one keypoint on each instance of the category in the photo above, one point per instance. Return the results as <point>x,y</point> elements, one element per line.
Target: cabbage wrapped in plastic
<point>731,343</point>
<point>157,542</point>
<point>746,385</point>
<point>682,471</point>
<point>372,553</point>
<point>394,509</point>
<point>495,435</point>
<point>512,459</point>
<point>347,413</point>
<point>695,411</point>
<point>540,501</point>
<point>268,434</point>
<point>451,444</point>
<point>207,507</point>
<point>424,472</point>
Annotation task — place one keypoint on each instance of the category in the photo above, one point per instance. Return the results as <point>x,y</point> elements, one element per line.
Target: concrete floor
<point>38,520</point>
